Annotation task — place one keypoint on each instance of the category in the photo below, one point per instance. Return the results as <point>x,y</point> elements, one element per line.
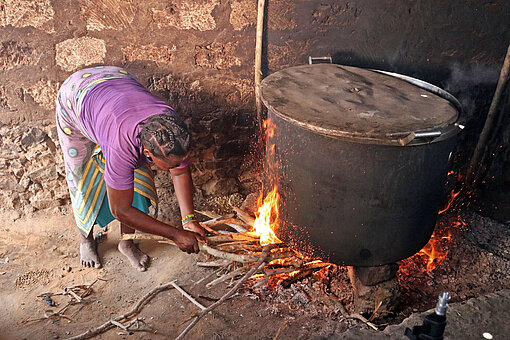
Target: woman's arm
<point>121,208</point>
<point>183,185</point>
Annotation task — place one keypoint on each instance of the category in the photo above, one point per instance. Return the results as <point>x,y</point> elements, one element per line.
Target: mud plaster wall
<point>198,55</point>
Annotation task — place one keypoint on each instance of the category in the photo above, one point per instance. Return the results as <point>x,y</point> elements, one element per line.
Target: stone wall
<point>198,55</point>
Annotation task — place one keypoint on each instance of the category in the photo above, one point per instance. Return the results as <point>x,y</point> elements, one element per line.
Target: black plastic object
<point>359,181</point>
<point>434,324</point>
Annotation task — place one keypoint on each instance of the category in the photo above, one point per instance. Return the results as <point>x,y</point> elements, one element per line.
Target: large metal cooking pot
<point>361,159</point>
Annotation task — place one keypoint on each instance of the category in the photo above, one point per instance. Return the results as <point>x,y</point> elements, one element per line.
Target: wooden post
<point>258,59</point>
<point>474,165</point>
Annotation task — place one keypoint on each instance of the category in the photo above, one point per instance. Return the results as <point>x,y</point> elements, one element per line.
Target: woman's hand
<point>195,227</point>
<point>187,241</point>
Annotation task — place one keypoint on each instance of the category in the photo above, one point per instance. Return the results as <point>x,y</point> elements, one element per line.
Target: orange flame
<point>450,201</point>
<point>269,128</point>
<point>267,218</point>
<point>267,215</point>
<point>435,250</point>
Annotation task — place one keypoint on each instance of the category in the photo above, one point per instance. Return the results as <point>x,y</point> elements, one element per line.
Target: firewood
<point>232,274</point>
<point>228,221</point>
<point>144,237</point>
<point>229,256</point>
<point>210,214</point>
<point>218,263</point>
<point>209,229</point>
<point>271,272</point>
<point>244,216</point>
<point>299,276</point>
<point>248,236</point>
<point>233,248</point>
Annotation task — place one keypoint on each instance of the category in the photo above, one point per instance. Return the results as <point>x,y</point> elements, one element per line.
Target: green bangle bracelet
<point>188,220</point>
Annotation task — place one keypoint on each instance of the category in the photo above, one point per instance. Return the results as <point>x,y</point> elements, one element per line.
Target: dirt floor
<point>39,255</point>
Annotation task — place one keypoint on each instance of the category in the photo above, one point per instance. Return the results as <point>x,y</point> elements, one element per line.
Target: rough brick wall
<point>199,56</point>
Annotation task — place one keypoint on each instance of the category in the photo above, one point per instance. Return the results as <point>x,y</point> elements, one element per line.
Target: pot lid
<point>347,101</point>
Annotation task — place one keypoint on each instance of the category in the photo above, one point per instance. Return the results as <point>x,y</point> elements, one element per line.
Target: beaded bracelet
<point>188,218</point>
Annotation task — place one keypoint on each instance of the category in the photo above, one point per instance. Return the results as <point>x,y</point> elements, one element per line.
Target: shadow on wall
<point>222,127</point>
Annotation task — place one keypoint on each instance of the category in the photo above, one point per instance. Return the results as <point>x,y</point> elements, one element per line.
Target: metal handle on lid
<point>326,60</point>
<point>417,135</point>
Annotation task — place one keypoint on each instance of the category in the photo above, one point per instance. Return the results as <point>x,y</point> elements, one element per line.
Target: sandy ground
<point>40,255</point>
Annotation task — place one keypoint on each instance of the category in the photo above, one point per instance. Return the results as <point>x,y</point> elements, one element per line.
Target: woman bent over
<point>111,129</point>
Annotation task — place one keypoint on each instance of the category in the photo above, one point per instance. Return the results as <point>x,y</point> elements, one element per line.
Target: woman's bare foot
<point>88,252</point>
<point>135,256</point>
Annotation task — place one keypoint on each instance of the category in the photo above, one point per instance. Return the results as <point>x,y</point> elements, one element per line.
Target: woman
<point>110,129</point>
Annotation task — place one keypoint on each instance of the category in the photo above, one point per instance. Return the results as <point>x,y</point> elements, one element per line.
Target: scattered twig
<point>263,257</point>
<point>363,319</point>
<point>135,310</point>
<point>118,324</point>
<point>187,296</point>
<point>374,314</point>
<point>337,303</point>
<point>280,330</point>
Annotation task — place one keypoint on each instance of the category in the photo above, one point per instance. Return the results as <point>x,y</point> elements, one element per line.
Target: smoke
<point>473,85</point>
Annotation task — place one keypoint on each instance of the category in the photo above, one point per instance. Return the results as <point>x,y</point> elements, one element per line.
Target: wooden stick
<point>244,216</point>
<point>240,247</point>
<point>229,256</point>
<point>186,295</point>
<point>258,59</point>
<point>210,214</point>
<point>118,324</point>
<point>218,263</point>
<point>144,237</point>
<point>135,310</point>
<point>375,311</point>
<point>239,228</point>
<point>209,229</point>
<point>234,273</point>
<point>474,165</point>
<point>255,267</point>
<point>214,223</point>
<point>280,330</point>
<point>249,236</point>
<point>271,272</point>
<point>346,314</point>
